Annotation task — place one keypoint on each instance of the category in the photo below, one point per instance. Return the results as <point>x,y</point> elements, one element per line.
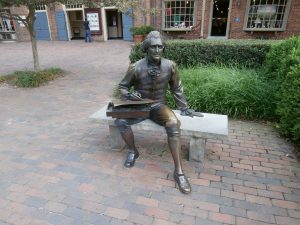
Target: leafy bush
<point>282,68</point>
<point>239,93</point>
<point>289,105</point>
<point>190,53</point>
<point>30,79</point>
<point>278,62</point>
<point>141,30</point>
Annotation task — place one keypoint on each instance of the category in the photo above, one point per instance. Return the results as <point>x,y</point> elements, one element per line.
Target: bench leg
<point>116,140</point>
<point>197,149</point>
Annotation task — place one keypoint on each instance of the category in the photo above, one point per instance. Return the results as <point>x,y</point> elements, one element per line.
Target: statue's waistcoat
<point>152,81</point>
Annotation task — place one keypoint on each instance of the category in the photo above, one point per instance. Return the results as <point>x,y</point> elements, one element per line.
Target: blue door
<point>127,23</point>
<point>61,26</point>
<point>41,26</point>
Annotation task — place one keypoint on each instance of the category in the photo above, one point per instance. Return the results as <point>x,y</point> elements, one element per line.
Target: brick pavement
<point>57,167</point>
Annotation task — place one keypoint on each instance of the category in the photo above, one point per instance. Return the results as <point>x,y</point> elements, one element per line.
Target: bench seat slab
<point>197,129</point>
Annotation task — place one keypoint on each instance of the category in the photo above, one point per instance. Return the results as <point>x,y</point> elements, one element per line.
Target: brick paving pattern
<point>57,167</point>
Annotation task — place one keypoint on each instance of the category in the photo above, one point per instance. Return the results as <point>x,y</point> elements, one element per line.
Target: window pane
<point>40,7</point>
<point>179,14</point>
<point>266,14</point>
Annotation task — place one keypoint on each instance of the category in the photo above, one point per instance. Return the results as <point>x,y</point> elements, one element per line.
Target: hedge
<point>282,68</point>
<point>190,53</point>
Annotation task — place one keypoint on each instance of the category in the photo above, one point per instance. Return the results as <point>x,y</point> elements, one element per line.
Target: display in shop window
<point>93,18</point>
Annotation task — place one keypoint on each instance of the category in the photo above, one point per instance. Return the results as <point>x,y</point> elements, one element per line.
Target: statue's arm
<point>178,94</point>
<point>127,82</point>
<point>177,88</point>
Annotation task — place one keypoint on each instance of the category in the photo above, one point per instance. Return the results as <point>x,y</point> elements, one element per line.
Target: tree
<point>121,5</point>
<point>28,21</point>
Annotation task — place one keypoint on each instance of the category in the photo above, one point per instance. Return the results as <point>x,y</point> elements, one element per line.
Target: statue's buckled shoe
<point>183,183</point>
<point>130,160</point>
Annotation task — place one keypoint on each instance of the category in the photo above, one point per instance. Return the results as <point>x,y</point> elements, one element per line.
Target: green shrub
<point>287,79</point>
<point>278,62</point>
<point>283,70</point>
<point>190,53</point>
<point>32,79</point>
<point>289,105</point>
<point>239,93</point>
<point>141,30</point>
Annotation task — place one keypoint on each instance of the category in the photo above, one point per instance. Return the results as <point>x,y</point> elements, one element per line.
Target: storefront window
<point>40,7</point>
<point>7,28</point>
<point>267,15</point>
<point>178,15</point>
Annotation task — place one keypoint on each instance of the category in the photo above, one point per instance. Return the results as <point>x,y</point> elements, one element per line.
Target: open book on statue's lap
<point>124,109</point>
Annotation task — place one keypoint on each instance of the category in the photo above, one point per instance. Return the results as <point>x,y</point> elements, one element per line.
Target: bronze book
<point>124,109</point>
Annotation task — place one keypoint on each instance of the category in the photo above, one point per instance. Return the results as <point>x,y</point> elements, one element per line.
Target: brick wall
<point>52,20</point>
<point>22,33</point>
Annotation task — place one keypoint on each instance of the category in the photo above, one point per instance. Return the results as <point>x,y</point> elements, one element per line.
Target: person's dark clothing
<point>86,24</point>
<point>87,30</point>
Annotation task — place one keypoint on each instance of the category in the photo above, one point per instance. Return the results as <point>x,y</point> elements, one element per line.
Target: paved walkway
<point>56,167</point>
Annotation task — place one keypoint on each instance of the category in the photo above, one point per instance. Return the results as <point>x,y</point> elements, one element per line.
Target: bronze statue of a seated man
<point>151,77</point>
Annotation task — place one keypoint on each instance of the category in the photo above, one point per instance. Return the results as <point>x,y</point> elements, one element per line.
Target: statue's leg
<point>175,146</point>
<point>128,137</point>
<point>164,116</point>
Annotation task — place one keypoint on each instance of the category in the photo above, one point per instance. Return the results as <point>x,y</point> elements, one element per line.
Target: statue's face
<point>155,50</point>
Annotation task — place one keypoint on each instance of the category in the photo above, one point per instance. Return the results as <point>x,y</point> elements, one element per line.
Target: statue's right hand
<point>134,96</point>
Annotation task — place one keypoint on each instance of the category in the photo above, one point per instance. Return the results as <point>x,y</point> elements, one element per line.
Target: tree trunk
<point>36,63</point>
<point>30,27</point>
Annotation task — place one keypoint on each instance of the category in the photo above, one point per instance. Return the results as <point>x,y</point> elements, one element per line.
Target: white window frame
<point>179,28</point>
<point>73,6</point>
<point>7,29</point>
<point>40,8</point>
<point>7,25</point>
<point>267,22</point>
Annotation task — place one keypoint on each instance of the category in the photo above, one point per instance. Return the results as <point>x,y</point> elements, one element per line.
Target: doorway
<point>114,24</point>
<point>76,24</point>
<point>219,19</point>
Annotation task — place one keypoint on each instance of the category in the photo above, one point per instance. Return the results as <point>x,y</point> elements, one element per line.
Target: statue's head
<point>153,45</point>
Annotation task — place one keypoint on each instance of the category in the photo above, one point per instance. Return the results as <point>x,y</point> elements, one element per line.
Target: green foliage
<point>289,106</point>
<point>191,53</point>
<point>283,69</point>
<point>278,60</point>
<point>31,79</point>
<point>141,30</point>
<point>239,93</point>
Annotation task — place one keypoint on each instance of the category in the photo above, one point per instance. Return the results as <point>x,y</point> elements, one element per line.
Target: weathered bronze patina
<point>150,78</point>
<point>129,108</point>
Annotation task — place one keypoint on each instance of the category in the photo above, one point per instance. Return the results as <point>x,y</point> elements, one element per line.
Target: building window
<point>178,15</point>
<point>73,6</point>
<point>40,7</point>
<point>7,28</point>
<point>6,25</point>
<point>266,15</point>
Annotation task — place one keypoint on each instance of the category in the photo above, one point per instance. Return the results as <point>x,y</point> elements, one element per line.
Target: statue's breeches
<point>160,114</point>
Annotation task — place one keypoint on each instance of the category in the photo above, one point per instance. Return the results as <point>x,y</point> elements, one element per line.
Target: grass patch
<point>30,79</point>
<point>239,93</point>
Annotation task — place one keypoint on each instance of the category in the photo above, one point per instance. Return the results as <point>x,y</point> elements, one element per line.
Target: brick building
<point>230,19</point>
<point>225,19</point>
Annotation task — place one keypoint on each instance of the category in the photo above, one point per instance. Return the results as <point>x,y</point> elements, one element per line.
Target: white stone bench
<point>197,129</point>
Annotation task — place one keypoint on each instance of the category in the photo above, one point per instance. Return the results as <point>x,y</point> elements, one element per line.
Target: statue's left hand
<point>190,112</point>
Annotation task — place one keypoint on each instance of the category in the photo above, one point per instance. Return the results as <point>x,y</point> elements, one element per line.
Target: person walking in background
<point>87,30</point>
